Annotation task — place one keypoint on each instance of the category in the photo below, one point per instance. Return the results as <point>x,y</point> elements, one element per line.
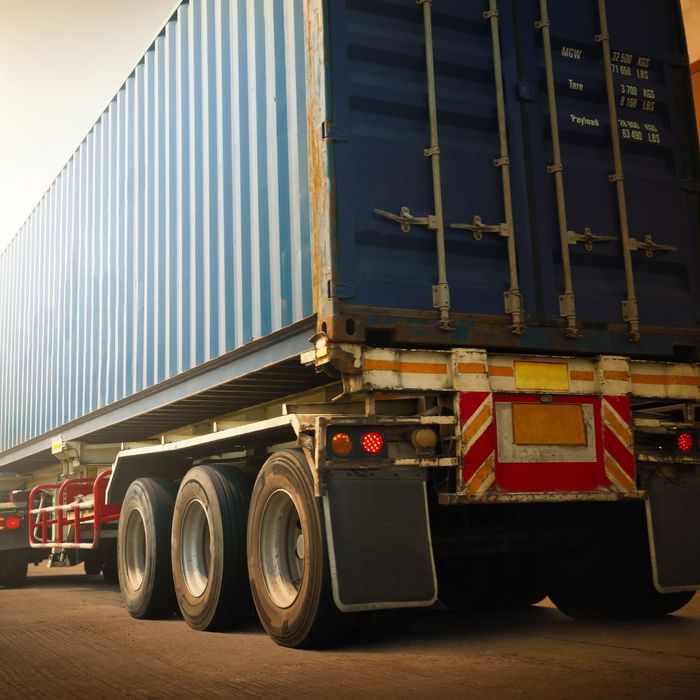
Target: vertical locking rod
<point>567,306</point>
<point>441,291</point>
<point>629,307</point>
<point>514,300</point>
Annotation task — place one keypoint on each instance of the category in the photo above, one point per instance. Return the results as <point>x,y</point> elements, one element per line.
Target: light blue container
<point>179,230</point>
<point>245,185</point>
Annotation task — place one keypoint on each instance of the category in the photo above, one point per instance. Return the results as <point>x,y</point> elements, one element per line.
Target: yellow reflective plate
<point>548,424</point>
<point>541,376</point>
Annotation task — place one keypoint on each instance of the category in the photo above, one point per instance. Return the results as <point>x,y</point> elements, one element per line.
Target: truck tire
<point>92,563</point>
<point>633,603</point>
<point>110,573</point>
<point>287,557</point>
<point>209,548</point>
<point>491,583</point>
<point>143,549</point>
<point>13,568</point>
<point>666,603</point>
<point>517,582</point>
<point>108,559</point>
<point>613,580</point>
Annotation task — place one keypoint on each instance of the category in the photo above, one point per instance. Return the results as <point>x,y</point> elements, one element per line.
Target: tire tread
<point>157,600</point>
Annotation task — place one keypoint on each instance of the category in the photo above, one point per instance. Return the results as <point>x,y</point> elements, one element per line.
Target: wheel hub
<point>282,549</point>
<point>195,550</point>
<point>135,550</point>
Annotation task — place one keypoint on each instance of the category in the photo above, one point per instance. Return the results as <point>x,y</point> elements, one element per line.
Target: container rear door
<point>380,164</point>
<point>659,157</point>
<point>386,263</point>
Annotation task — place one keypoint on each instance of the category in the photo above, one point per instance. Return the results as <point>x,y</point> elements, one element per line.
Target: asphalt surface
<point>67,635</point>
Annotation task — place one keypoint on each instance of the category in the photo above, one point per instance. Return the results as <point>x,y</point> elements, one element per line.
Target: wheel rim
<point>135,550</point>
<point>282,549</point>
<point>195,549</point>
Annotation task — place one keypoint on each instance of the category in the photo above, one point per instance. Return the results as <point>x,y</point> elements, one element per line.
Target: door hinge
<point>342,290</point>
<point>331,132</point>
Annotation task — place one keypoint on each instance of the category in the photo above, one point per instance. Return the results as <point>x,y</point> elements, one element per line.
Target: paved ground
<point>68,635</point>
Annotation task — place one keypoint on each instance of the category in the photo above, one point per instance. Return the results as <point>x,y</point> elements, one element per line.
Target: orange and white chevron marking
<point>478,441</point>
<point>618,443</point>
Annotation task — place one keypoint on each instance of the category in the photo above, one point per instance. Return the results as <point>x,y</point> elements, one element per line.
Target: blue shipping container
<point>378,106</point>
<point>261,167</point>
<point>177,232</point>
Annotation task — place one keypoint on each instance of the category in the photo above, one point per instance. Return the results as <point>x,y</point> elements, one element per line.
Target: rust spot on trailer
<point>316,60</point>
<point>342,328</point>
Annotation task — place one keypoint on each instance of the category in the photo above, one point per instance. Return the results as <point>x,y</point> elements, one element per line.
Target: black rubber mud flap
<point>378,534</point>
<point>673,520</point>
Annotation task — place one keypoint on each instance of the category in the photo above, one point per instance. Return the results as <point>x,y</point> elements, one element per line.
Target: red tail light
<point>685,442</point>
<point>372,443</point>
<point>11,523</point>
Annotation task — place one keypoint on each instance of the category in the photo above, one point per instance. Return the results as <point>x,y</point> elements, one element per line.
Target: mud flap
<point>378,535</point>
<point>673,521</point>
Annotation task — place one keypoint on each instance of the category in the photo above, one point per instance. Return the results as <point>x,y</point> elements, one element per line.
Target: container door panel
<point>655,139</point>
<point>382,129</point>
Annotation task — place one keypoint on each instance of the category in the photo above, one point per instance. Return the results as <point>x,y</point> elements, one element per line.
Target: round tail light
<point>685,442</point>
<point>341,444</point>
<point>372,443</point>
<point>12,523</point>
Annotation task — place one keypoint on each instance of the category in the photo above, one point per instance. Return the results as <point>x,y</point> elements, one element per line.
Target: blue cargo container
<point>255,178</point>
<point>177,233</point>
<point>383,276</point>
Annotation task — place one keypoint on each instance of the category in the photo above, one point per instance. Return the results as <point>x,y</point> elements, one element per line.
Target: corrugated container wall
<point>559,163</point>
<point>178,231</point>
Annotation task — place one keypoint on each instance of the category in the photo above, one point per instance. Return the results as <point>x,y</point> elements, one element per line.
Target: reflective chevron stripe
<point>483,478</point>
<point>618,443</point>
<point>478,441</point>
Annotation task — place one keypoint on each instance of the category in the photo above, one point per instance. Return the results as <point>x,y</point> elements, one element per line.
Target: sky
<point>61,62</point>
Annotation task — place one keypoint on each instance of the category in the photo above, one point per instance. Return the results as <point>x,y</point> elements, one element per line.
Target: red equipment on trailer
<point>72,515</point>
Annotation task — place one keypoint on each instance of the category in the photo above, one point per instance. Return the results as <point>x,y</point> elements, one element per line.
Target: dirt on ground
<point>67,635</point>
